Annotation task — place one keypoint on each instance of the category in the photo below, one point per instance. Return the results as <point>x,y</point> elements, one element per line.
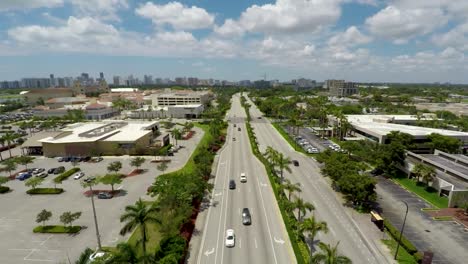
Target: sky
<point>356,40</point>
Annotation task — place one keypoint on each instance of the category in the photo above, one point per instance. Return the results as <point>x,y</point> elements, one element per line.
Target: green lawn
<point>57,229</point>
<point>420,190</point>
<point>403,256</point>
<point>288,138</point>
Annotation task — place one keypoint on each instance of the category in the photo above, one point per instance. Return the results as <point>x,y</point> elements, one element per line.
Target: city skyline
<point>356,40</point>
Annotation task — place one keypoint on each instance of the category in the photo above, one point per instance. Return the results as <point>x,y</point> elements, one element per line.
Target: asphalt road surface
<point>266,240</point>
<point>316,189</point>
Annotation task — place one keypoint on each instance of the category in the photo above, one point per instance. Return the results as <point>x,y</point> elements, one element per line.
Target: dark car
<point>59,170</point>
<point>170,153</point>
<point>88,158</point>
<point>51,170</point>
<point>90,179</point>
<point>235,125</point>
<point>238,129</point>
<point>104,195</point>
<point>376,172</point>
<point>23,176</point>
<point>296,163</point>
<point>67,159</point>
<point>232,184</point>
<point>246,217</point>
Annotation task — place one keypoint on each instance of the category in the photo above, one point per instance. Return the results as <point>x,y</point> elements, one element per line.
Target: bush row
<point>4,189</point>
<point>45,191</point>
<point>57,229</point>
<point>405,243</point>
<point>65,175</point>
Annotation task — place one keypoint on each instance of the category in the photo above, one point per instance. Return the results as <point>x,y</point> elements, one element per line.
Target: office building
<point>340,87</point>
<point>147,79</point>
<point>182,98</point>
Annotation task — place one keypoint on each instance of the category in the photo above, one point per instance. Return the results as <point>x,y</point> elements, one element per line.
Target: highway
<point>266,240</point>
<point>316,189</point>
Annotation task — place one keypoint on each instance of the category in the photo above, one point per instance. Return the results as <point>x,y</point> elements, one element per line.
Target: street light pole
<point>95,218</point>
<point>402,229</point>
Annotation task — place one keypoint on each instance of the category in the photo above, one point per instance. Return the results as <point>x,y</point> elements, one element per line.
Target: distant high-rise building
<point>101,75</point>
<point>245,83</point>
<point>35,83</point>
<point>117,80</point>
<point>191,81</point>
<point>147,79</point>
<point>159,81</point>
<point>304,83</point>
<point>68,81</point>
<point>180,81</point>
<point>340,88</point>
<point>52,80</point>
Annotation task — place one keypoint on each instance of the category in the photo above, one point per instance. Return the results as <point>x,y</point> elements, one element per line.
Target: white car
<point>230,238</point>
<point>98,255</point>
<point>243,177</point>
<point>78,175</point>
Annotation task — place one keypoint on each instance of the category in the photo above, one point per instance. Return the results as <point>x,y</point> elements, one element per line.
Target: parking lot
<point>18,210</point>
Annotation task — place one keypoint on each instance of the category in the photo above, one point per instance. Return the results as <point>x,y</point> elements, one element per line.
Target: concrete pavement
<point>266,240</point>
<point>353,242</point>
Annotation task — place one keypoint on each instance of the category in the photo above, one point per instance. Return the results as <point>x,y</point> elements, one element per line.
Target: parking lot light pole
<point>98,236</point>
<point>402,229</point>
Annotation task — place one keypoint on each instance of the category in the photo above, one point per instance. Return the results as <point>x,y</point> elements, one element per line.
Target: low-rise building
<point>101,138</point>
<point>340,88</point>
<point>174,111</point>
<point>33,97</point>
<point>184,97</point>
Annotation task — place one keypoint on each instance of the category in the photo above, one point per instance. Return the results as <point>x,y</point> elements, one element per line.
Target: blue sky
<point>359,40</point>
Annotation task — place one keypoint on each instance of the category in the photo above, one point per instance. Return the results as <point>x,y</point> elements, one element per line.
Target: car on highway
<point>296,163</point>
<point>243,177</point>
<point>78,175</point>
<point>23,176</point>
<point>233,139</point>
<point>235,125</point>
<point>104,195</point>
<point>230,238</point>
<point>246,217</point>
<point>232,184</point>
<point>42,174</point>
<point>238,129</point>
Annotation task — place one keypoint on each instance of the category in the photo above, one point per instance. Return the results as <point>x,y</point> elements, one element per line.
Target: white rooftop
<point>388,118</point>
<point>112,130</point>
<point>124,90</point>
<point>186,106</point>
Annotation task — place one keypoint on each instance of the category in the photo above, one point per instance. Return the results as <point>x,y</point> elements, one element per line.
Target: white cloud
<point>176,37</point>
<point>457,37</point>
<point>28,4</point>
<point>351,37</point>
<point>285,16</point>
<point>177,15</point>
<point>105,9</point>
<point>229,28</point>
<point>400,24</point>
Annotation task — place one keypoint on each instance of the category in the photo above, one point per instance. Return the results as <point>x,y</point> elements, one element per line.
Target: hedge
<point>4,189</point>
<point>57,229</point>
<point>45,191</point>
<point>396,235</point>
<point>65,175</point>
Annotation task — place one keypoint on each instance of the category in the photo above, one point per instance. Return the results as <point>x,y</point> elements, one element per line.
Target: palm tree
<point>329,255</point>
<point>175,133</point>
<point>283,163</point>
<point>302,208</point>
<point>2,142</point>
<point>428,174</point>
<point>270,154</point>
<point>126,254</point>
<point>313,227</point>
<point>9,138</point>
<point>138,215</point>
<point>291,188</point>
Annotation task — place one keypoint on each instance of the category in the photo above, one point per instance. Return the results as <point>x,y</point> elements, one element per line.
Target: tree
<point>329,255</point>
<point>111,179</point>
<point>137,162</point>
<point>176,134</point>
<point>162,166</point>
<point>114,166</point>
<point>34,182</point>
<point>291,188</point>
<point>126,254</point>
<point>302,208</point>
<point>43,216</point>
<point>444,143</point>
<point>24,160</point>
<point>138,215</point>
<point>270,154</point>
<point>283,164</point>
<point>358,189</point>
<point>3,180</point>
<point>69,217</point>
<point>312,227</point>
<point>9,138</point>
<point>10,165</point>
<point>84,256</point>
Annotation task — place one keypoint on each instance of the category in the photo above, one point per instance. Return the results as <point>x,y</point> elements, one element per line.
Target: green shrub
<point>57,229</point>
<point>45,191</point>
<point>396,235</point>
<point>4,189</point>
<point>418,257</point>
<point>65,175</point>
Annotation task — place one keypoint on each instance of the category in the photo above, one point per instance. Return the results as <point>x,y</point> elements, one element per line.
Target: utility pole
<point>98,236</point>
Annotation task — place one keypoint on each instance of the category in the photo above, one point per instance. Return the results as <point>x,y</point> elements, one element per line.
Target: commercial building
<point>34,96</point>
<point>451,174</point>
<point>101,138</point>
<point>377,127</point>
<point>182,98</point>
<point>174,111</point>
<point>340,87</point>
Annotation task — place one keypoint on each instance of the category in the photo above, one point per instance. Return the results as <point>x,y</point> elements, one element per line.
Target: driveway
<point>447,240</point>
<point>19,210</point>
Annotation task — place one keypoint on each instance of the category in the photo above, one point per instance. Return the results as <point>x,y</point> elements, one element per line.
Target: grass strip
<point>57,229</point>
<point>432,198</point>
<point>45,191</point>
<point>288,138</point>
<point>403,256</point>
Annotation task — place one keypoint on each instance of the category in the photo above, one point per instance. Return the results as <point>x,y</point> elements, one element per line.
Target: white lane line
<point>43,242</point>
<point>225,213</point>
<point>268,225</point>
<point>239,211</point>
<point>255,241</point>
<point>240,243</point>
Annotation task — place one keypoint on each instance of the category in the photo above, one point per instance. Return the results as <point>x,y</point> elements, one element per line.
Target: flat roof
<point>122,131</point>
<point>385,128</point>
<point>388,118</point>
<point>186,106</point>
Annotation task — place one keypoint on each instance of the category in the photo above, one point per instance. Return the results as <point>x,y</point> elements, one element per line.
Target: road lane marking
<point>279,241</point>
<point>240,243</point>
<point>209,252</point>
<point>218,194</point>
<point>225,213</point>
<point>255,241</point>
<point>43,242</point>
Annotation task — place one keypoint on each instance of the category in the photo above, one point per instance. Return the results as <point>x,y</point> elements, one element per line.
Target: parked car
<point>23,176</point>
<point>238,129</point>
<point>230,238</point>
<point>42,175</point>
<point>87,158</point>
<point>103,257</point>
<point>37,171</point>
<point>59,170</point>
<point>235,125</point>
<point>78,175</point>
<point>243,177</point>
<point>51,170</point>
<point>96,159</point>
<point>60,159</point>
<point>232,184</point>
<point>246,217</point>
<point>296,163</point>
<point>90,179</point>
<point>104,195</point>
<point>233,139</point>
